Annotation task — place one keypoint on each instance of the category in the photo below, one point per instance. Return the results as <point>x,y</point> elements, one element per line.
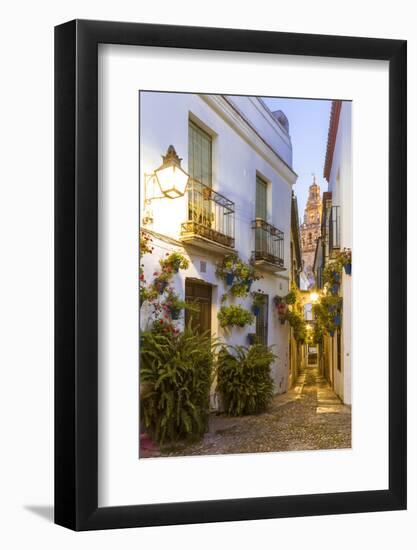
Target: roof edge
<point>331,136</point>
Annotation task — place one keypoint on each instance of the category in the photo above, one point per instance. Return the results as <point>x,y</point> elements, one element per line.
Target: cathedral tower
<point>310,229</point>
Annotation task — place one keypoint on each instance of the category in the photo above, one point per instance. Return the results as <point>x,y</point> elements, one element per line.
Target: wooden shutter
<point>199,154</point>
<point>261,198</point>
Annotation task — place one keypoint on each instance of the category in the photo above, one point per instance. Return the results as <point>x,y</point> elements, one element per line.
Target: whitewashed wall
<point>239,153</point>
<point>340,184</point>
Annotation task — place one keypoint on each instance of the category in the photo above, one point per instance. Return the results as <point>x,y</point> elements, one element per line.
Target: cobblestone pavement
<point>309,416</point>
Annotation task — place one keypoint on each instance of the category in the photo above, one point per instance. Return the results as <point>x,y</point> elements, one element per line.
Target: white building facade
<point>239,158</point>
<point>337,235</point>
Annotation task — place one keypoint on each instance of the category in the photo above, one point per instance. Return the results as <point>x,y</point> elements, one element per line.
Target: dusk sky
<point>309,124</point>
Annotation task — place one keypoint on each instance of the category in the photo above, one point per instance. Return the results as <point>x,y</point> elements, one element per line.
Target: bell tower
<point>310,229</point>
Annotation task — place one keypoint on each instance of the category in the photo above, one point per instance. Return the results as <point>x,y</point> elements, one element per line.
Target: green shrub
<point>244,378</point>
<point>176,374</point>
<point>232,315</point>
<point>297,323</point>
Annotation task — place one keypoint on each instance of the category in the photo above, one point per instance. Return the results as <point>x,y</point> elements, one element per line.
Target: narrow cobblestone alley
<point>309,416</point>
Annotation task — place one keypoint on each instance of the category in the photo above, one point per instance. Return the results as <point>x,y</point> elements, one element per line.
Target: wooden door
<point>199,293</point>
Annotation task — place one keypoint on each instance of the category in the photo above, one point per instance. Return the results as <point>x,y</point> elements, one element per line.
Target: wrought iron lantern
<point>172,179</point>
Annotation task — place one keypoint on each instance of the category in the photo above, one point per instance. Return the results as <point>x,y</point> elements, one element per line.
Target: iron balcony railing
<point>209,215</point>
<point>269,243</point>
<point>334,228</point>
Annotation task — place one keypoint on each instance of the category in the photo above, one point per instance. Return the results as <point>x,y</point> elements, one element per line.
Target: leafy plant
<point>244,378</point>
<point>326,313</point>
<point>343,257</point>
<point>176,371</point>
<point>229,265</point>
<point>164,275</point>
<point>146,293</point>
<point>258,298</point>
<point>298,324</point>
<point>145,243</point>
<point>173,303</point>
<point>332,273</point>
<point>175,260</point>
<point>239,289</point>
<point>291,297</point>
<point>234,315</point>
<point>238,274</point>
<point>145,247</point>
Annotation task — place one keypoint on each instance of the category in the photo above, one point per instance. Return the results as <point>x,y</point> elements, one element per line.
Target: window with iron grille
<point>262,322</point>
<point>199,154</point>
<point>334,228</point>
<point>209,213</point>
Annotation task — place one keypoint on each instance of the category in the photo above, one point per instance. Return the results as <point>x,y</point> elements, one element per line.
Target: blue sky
<point>309,124</point>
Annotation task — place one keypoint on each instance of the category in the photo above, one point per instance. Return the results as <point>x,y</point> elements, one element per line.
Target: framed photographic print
<point>230,275</point>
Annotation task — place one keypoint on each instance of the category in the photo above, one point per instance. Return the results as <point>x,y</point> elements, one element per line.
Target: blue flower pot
<point>337,320</point>
<point>331,333</point>
<point>249,284</point>
<point>256,310</point>
<point>175,314</point>
<point>348,269</point>
<point>229,278</point>
<point>251,338</point>
<point>335,289</point>
<point>336,276</point>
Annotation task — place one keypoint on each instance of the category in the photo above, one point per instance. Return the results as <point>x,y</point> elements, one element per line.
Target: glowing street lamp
<point>314,297</point>
<point>172,179</point>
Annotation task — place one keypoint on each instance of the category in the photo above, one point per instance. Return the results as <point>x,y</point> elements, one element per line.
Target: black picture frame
<point>76,272</point>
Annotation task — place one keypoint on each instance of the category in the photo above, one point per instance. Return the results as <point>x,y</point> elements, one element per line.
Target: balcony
<point>210,219</point>
<point>269,246</point>
<point>334,229</point>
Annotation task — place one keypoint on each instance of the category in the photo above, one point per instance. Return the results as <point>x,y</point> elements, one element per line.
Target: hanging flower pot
<point>337,320</point>
<point>331,332</point>
<point>348,268</point>
<point>175,314</point>
<point>230,278</point>
<point>160,285</point>
<point>256,310</point>
<point>249,284</point>
<point>335,288</point>
<point>336,276</point>
<point>282,308</point>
